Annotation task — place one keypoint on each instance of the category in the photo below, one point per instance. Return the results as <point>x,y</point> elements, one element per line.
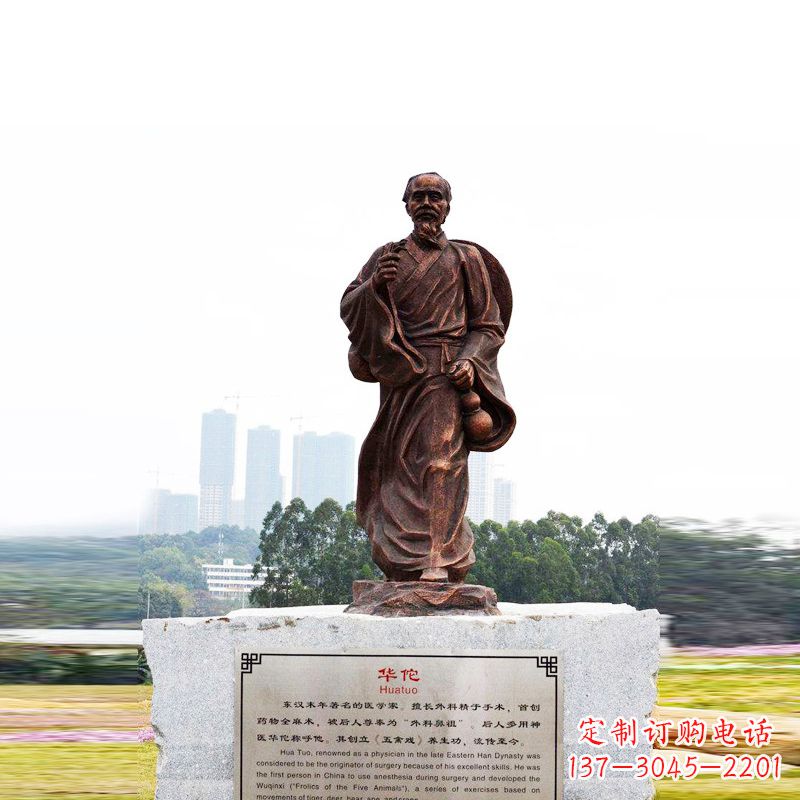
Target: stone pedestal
<point>609,656</point>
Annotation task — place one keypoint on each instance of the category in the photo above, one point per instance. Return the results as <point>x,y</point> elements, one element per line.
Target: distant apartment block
<point>481,487</point>
<point>217,451</point>
<point>505,497</point>
<point>153,516</point>
<point>237,513</point>
<point>228,579</point>
<point>263,483</point>
<point>182,513</point>
<point>323,466</point>
<point>165,512</point>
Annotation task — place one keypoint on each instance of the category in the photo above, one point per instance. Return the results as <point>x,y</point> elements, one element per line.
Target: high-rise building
<point>237,513</point>
<point>165,512</point>
<point>505,497</point>
<point>153,517</point>
<point>217,449</point>
<point>323,466</point>
<point>181,513</point>
<point>263,485</point>
<point>481,486</point>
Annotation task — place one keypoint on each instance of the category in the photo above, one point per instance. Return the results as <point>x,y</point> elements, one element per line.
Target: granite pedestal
<point>609,655</point>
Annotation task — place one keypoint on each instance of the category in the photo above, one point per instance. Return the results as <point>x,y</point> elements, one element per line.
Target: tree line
<point>68,582</point>
<point>721,588</point>
<point>308,557</point>
<point>724,587</point>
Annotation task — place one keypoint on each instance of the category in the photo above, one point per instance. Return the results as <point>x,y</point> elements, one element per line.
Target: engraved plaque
<point>398,725</point>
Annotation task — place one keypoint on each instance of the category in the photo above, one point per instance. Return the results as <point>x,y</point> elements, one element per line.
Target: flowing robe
<point>412,471</point>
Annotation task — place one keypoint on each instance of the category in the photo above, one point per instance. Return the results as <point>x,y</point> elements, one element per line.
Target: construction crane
<point>157,473</point>
<point>237,398</point>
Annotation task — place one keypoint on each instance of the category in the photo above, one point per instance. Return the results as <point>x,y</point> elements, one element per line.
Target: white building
<point>228,579</point>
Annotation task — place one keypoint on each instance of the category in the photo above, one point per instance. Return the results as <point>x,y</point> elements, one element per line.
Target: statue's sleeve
<point>485,329</point>
<point>378,350</point>
<point>485,335</point>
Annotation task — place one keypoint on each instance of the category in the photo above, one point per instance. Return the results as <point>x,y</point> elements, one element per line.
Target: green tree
<point>276,561</point>
<point>310,557</point>
<point>173,565</point>
<point>556,577</point>
<point>68,582</point>
<point>165,599</point>
<point>644,560</point>
<point>559,559</point>
<point>346,554</point>
<point>726,588</point>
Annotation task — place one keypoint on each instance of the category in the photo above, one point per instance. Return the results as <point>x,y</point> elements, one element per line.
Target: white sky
<point>186,189</point>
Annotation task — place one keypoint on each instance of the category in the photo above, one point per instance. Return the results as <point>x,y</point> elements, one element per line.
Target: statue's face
<point>428,200</point>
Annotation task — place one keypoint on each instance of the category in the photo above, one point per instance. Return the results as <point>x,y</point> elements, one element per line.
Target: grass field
<point>74,771</point>
<point>713,789</point>
<point>34,707</point>
<point>35,770</point>
<point>756,684</point>
<point>113,771</point>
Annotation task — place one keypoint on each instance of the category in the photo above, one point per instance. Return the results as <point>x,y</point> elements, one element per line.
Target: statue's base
<point>422,599</point>
<point>610,660</point>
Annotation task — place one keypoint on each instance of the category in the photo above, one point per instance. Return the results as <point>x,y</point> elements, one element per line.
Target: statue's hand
<point>462,374</point>
<point>386,270</point>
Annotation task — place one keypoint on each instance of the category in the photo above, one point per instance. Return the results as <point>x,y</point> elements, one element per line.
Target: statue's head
<point>427,198</point>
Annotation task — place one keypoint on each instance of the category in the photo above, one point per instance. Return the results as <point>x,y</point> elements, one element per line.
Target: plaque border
<point>249,659</point>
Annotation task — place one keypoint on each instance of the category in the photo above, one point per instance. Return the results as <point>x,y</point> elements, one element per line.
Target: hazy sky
<point>187,188</point>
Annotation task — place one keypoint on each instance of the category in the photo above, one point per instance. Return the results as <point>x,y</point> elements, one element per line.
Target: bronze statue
<point>427,316</point>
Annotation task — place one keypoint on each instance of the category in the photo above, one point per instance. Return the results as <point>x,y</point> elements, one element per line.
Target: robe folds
<point>412,471</point>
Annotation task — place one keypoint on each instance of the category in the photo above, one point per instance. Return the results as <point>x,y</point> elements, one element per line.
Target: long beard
<point>428,230</point>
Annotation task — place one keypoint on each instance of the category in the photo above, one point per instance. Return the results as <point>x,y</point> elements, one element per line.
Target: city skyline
<point>322,466</point>
<point>652,248</point>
